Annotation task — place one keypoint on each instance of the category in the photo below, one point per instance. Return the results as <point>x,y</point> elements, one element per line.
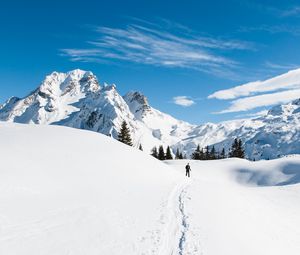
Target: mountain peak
<point>72,83</point>
<point>108,87</point>
<point>137,96</point>
<point>79,72</point>
<point>137,102</point>
<point>285,109</point>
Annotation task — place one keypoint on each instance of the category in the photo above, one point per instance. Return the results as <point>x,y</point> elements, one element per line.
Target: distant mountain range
<point>76,99</point>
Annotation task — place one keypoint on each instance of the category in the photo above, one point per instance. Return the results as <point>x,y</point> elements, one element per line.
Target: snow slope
<point>234,207</point>
<point>76,99</point>
<point>69,191</point>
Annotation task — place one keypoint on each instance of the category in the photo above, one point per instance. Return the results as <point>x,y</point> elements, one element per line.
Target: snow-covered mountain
<point>273,135</point>
<point>76,99</point>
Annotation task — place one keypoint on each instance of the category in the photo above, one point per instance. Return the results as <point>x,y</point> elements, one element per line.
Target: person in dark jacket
<point>188,170</point>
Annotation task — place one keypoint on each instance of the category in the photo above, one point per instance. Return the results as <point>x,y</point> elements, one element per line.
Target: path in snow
<point>223,209</point>
<point>178,236</point>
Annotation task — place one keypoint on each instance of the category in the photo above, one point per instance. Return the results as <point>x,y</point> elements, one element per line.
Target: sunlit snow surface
<point>68,191</point>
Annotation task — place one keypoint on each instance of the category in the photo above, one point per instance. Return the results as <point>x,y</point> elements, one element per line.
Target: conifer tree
<point>180,155</point>
<point>207,153</point>
<point>124,134</point>
<point>196,153</point>
<point>168,153</point>
<point>161,153</point>
<point>177,155</point>
<point>237,150</point>
<point>223,155</point>
<point>241,150</point>
<point>201,155</point>
<point>213,153</point>
<point>154,152</point>
<point>234,148</point>
<point>141,147</point>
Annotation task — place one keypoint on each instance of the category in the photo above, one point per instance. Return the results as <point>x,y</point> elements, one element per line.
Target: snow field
<point>69,191</point>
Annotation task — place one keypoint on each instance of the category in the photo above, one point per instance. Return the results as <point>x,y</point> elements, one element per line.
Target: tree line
<point>162,155</point>
<point>208,153</point>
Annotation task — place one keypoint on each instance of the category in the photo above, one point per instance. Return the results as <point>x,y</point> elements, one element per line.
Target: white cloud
<point>183,101</point>
<point>280,89</point>
<point>281,66</point>
<point>249,103</point>
<point>167,44</point>
<point>289,80</point>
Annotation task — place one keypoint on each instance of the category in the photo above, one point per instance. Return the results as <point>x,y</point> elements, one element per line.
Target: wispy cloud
<point>279,89</point>
<point>249,103</point>
<point>160,45</point>
<point>281,66</point>
<point>183,101</point>
<point>289,80</point>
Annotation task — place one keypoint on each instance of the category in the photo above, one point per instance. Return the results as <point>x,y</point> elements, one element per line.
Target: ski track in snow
<point>178,236</point>
<point>184,221</point>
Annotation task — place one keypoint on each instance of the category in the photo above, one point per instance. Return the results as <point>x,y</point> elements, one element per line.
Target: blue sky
<point>186,56</point>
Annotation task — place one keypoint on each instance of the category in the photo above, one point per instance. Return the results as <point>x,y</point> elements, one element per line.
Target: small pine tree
<point>141,147</point>
<point>177,155</point>
<point>196,153</point>
<point>154,152</point>
<point>161,153</point>
<point>237,150</point>
<point>202,154</point>
<point>233,148</point>
<point>180,155</point>
<point>207,153</point>
<point>223,155</point>
<point>212,154</point>
<point>124,134</point>
<point>168,153</point>
<point>241,150</point>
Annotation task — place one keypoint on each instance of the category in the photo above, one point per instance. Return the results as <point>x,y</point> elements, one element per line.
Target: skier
<point>187,170</point>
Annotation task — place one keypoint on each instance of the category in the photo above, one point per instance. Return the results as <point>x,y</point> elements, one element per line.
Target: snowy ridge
<point>76,99</point>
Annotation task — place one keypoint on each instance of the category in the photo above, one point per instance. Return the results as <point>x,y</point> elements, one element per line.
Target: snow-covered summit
<point>74,81</point>
<point>52,100</point>
<point>285,109</point>
<point>138,103</point>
